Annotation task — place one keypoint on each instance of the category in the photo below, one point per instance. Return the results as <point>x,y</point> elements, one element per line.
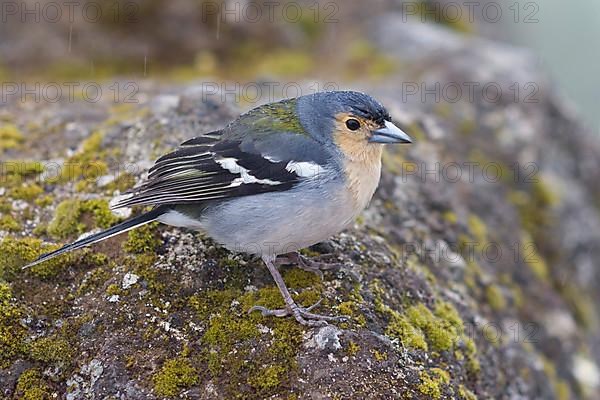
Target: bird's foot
<point>307,264</point>
<point>301,314</point>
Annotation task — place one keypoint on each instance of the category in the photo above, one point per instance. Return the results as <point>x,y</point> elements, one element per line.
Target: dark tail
<point>110,232</point>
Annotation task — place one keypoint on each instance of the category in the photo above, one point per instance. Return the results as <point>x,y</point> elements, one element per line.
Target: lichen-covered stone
<point>434,311</point>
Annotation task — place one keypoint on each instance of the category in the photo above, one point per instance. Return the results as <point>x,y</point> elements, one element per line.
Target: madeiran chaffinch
<point>279,178</point>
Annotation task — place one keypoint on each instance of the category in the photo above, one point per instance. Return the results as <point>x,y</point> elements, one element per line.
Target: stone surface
<point>480,285</point>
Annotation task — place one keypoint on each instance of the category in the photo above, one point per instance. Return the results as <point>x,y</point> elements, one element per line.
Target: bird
<point>279,178</point>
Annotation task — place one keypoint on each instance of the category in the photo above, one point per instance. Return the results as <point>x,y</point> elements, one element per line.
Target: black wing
<point>210,168</point>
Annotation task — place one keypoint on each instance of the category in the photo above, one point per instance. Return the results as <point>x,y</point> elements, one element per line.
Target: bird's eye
<point>353,124</point>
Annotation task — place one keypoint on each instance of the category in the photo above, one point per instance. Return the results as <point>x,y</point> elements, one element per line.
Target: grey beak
<point>389,134</point>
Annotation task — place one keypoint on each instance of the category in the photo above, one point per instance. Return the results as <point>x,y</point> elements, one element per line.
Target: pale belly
<point>275,223</point>
<point>278,223</point>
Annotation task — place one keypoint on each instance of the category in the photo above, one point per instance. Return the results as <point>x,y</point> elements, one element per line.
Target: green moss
<point>408,334</point>
<point>473,365</point>
<point>450,217</point>
<point>10,137</point>
<point>466,394</point>
<point>495,298</point>
<point>467,126</point>
<point>232,336</point>
<point>535,206</point>
<point>174,376</point>
<point>69,217</point>
<point>31,386</point>
<point>66,220</point>
<point>114,289</point>
<point>268,377</point>
<point>9,223</point>
<point>93,279</point>
<point>12,333</point>
<point>27,192</point>
<point>420,328</point>
<point>289,63</point>
<point>14,173</point>
<point>99,209</point>
<point>582,305</point>
<point>561,389</point>
<point>422,318</point>
<point>298,278</point>
<point>18,252</point>
<point>432,384</point>
<point>533,259</point>
<point>142,240</point>
<point>207,302</point>
<point>394,162</point>
<point>351,309</point>
<point>44,201</point>
<point>122,183</point>
<point>51,350</point>
<point>478,230</point>
<point>87,164</point>
<point>222,335</point>
<point>447,313</point>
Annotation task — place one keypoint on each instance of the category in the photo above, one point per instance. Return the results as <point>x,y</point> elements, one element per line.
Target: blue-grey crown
<point>317,111</point>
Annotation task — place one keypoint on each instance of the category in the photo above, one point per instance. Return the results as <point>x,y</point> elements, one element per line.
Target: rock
<point>327,338</point>
<point>484,285</point>
<point>129,280</point>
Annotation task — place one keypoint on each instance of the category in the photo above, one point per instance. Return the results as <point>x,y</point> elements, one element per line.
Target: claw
<point>266,312</point>
<point>301,314</point>
<point>307,264</point>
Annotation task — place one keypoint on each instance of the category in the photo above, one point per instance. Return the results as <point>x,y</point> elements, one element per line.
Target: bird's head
<point>354,121</point>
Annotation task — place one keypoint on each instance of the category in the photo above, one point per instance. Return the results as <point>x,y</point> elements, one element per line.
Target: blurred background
<point>249,41</point>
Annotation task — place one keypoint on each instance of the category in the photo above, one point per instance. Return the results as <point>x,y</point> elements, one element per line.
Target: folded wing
<point>210,168</point>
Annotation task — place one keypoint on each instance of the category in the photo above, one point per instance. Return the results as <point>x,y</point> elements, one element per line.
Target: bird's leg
<point>302,315</point>
<point>306,263</point>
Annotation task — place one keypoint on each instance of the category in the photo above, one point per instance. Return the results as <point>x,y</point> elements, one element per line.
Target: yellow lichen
<point>432,384</point>
<point>268,377</point>
<point>380,355</point>
<point>69,216</point>
<point>232,335</point>
<point>174,376</point>
<point>466,394</point>
<point>495,298</point>
<point>352,348</point>
<point>141,240</point>
<point>12,333</point>
<point>31,386</point>
<point>18,252</point>
<point>10,137</point>
<point>479,230</point>
<point>9,223</point>
<point>51,350</point>
<point>86,165</point>
<point>450,217</point>
<point>473,365</point>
